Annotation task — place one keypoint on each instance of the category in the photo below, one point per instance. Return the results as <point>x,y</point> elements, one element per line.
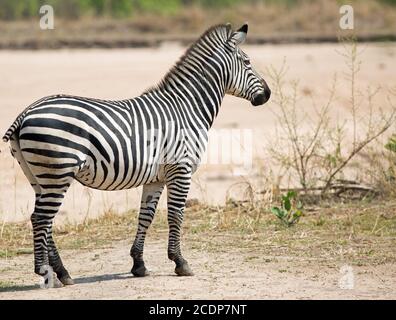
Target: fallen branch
<point>336,189</point>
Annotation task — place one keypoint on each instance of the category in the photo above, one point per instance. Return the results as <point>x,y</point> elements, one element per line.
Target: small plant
<point>388,168</point>
<point>290,209</point>
<point>391,145</point>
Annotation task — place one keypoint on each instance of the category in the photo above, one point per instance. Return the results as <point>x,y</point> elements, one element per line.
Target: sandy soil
<point>104,274</point>
<point>26,76</point>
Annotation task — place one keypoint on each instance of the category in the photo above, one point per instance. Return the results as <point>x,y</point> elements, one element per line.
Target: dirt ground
<point>26,76</point>
<point>104,274</point>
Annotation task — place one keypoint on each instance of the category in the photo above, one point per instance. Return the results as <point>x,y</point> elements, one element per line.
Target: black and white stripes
<point>154,140</point>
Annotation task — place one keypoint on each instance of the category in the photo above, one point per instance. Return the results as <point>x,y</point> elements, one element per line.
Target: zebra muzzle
<point>261,98</point>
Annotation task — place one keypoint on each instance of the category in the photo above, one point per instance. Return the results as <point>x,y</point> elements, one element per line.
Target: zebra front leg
<point>178,185</point>
<point>150,197</point>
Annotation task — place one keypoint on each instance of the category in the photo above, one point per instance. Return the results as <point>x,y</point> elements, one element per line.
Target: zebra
<point>153,140</point>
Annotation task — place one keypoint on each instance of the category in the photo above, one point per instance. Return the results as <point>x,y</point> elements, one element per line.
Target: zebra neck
<point>197,93</point>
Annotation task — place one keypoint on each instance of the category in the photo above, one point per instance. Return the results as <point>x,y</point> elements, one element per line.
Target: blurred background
<point>126,23</point>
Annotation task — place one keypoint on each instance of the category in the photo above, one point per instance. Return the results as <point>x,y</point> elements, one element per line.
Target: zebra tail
<point>18,121</point>
<point>14,127</point>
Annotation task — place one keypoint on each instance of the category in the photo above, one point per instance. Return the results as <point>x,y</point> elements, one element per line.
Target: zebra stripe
<point>154,140</point>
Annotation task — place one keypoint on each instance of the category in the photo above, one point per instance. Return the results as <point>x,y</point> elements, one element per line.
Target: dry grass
<point>380,168</point>
<point>358,233</point>
<point>6,284</point>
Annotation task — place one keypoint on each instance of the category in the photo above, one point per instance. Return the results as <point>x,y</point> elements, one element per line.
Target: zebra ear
<point>239,36</point>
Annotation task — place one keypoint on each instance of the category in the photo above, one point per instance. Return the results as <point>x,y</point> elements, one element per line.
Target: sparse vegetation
<point>343,232</point>
<point>5,284</point>
<point>317,158</point>
<point>391,145</point>
<point>381,168</point>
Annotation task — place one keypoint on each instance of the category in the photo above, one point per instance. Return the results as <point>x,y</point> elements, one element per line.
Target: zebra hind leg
<point>150,197</point>
<point>45,252</point>
<point>42,265</point>
<point>178,186</point>
<point>56,263</point>
<point>50,189</point>
<point>43,268</point>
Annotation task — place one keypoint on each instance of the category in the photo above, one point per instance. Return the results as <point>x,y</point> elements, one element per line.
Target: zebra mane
<point>222,30</point>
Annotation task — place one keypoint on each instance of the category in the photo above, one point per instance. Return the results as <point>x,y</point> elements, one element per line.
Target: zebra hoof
<point>64,276</point>
<point>51,284</point>
<point>140,271</point>
<point>57,283</point>
<point>184,270</point>
<point>66,281</point>
<point>49,280</point>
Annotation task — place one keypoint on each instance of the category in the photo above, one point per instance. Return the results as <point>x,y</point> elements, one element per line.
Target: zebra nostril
<point>261,98</point>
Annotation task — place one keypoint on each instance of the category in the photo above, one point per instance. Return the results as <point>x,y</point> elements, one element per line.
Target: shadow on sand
<point>103,277</point>
<point>80,280</point>
<point>15,288</point>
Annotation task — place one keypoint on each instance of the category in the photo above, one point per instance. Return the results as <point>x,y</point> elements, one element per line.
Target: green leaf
<point>297,214</point>
<point>291,194</point>
<point>391,145</point>
<point>278,212</point>
<point>299,205</point>
<point>287,204</point>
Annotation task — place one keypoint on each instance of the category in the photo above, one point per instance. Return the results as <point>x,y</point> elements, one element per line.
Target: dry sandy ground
<point>26,76</point>
<point>104,274</point>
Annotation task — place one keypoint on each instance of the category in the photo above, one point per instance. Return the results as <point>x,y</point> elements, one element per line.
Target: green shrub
<point>158,6</point>
<point>391,145</point>
<point>290,209</point>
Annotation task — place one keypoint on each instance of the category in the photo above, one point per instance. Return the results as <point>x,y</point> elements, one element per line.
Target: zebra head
<point>243,80</point>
